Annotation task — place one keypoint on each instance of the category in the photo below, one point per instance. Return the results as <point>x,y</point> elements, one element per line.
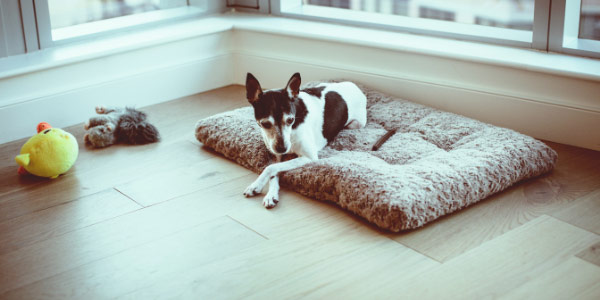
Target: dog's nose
<point>280,149</point>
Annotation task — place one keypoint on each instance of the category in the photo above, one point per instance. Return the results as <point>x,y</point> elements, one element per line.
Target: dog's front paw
<point>252,190</point>
<point>86,125</point>
<point>100,109</point>
<point>270,201</point>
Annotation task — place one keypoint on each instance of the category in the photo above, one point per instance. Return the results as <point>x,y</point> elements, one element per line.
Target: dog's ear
<point>293,86</point>
<point>253,89</point>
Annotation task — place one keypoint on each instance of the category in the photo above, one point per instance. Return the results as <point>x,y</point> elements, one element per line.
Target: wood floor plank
<point>180,119</point>
<point>355,268</point>
<point>585,212</point>
<point>574,177</point>
<point>125,272</point>
<point>292,267</point>
<point>156,188</point>
<point>296,213</point>
<point>571,279</point>
<point>591,254</point>
<point>73,249</point>
<point>121,164</point>
<point>48,223</point>
<point>501,265</point>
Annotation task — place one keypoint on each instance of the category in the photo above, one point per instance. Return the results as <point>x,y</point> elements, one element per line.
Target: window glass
<point>64,13</point>
<point>514,14</point>
<point>589,21</point>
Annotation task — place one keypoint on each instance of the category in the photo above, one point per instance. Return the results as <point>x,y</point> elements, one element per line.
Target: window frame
<point>18,33</point>
<point>25,24</point>
<point>3,35</point>
<point>194,8</point>
<point>555,26</point>
<point>260,6</point>
<point>537,38</point>
<point>98,28</point>
<point>564,30</point>
<point>44,28</point>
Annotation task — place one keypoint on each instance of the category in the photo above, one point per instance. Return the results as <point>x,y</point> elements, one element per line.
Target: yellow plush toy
<point>49,153</point>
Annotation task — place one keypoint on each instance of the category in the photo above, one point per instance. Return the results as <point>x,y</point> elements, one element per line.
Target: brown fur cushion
<point>436,163</point>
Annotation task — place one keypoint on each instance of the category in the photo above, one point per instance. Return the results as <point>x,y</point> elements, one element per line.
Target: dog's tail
<point>138,133</point>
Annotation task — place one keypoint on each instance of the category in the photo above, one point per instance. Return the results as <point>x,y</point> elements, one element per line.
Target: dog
<point>300,122</point>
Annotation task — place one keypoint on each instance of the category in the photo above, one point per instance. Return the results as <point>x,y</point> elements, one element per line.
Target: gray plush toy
<point>119,125</point>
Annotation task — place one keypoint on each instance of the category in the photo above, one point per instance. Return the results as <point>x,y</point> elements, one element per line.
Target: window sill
<point>110,26</point>
<point>430,27</point>
<point>107,45</point>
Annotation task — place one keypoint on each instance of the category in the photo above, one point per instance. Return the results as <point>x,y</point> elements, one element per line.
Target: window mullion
<point>557,22</point>
<point>3,36</point>
<point>29,25</point>
<point>564,30</point>
<point>541,24</point>
<point>572,14</point>
<point>261,6</point>
<point>44,29</point>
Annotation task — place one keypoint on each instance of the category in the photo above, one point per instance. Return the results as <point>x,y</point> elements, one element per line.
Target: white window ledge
<point>439,28</point>
<point>112,25</point>
<point>102,46</point>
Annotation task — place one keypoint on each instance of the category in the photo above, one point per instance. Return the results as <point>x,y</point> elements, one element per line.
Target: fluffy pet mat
<point>436,163</point>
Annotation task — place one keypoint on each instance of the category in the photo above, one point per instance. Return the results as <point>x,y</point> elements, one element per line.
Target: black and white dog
<point>301,122</point>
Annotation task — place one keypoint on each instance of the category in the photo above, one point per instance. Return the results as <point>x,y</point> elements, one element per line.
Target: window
<point>567,26</point>
<point>29,25</point>
<point>517,14</point>
<point>506,22</point>
<point>575,27</point>
<point>76,18</point>
<point>589,20</point>
<point>64,13</point>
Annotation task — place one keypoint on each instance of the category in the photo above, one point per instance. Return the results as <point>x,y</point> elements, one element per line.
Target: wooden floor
<point>169,220</point>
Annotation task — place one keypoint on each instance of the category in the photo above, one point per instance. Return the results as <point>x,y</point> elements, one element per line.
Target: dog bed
<point>436,163</point>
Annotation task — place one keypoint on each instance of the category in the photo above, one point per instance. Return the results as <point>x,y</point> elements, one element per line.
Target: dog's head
<point>275,112</point>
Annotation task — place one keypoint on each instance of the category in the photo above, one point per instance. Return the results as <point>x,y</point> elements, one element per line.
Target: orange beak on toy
<point>43,126</point>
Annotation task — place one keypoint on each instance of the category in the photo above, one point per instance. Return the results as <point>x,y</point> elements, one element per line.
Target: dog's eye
<point>290,121</point>
<point>266,124</point>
